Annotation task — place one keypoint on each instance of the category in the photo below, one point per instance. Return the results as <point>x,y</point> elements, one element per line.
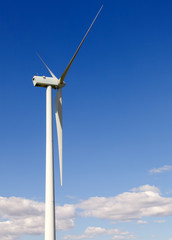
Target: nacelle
<point>42,81</point>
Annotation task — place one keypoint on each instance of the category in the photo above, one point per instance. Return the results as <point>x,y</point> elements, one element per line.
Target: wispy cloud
<point>146,188</point>
<point>141,222</point>
<point>161,169</point>
<point>159,221</point>
<point>93,232</point>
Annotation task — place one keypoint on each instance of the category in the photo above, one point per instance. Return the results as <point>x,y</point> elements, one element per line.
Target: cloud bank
<point>144,201</point>
<point>20,216</point>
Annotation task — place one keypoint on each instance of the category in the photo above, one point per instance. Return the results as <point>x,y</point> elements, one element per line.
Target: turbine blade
<point>52,74</point>
<point>70,63</point>
<point>58,114</point>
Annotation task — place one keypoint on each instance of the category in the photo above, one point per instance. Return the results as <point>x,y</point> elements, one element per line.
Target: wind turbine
<point>49,83</point>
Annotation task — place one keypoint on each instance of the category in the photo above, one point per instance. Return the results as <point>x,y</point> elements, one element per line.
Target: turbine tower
<point>49,83</point>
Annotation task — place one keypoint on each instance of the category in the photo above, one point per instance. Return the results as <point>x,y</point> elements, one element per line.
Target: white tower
<point>50,232</point>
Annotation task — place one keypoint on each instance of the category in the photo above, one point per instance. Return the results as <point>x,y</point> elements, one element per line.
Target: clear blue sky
<point>117,117</point>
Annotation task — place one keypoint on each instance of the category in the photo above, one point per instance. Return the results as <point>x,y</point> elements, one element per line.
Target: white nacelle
<point>42,81</point>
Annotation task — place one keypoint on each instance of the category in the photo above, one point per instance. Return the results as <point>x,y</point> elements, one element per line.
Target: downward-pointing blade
<point>71,61</point>
<point>58,114</point>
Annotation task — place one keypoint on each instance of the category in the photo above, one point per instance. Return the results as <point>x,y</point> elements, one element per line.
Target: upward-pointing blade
<point>58,114</point>
<point>52,74</point>
<point>70,63</point>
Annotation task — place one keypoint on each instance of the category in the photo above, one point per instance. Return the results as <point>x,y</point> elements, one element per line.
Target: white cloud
<point>161,169</point>
<point>144,201</point>
<point>146,188</point>
<point>93,232</point>
<point>141,222</point>
<point>21,216</point>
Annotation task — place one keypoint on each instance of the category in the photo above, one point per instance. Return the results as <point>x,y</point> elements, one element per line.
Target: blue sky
<point>116,119</point>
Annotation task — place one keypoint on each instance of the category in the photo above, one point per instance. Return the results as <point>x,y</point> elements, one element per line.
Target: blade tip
<point>101,8</point>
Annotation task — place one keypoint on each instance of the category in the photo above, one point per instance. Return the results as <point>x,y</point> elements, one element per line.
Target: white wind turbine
<point>49,83</point>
